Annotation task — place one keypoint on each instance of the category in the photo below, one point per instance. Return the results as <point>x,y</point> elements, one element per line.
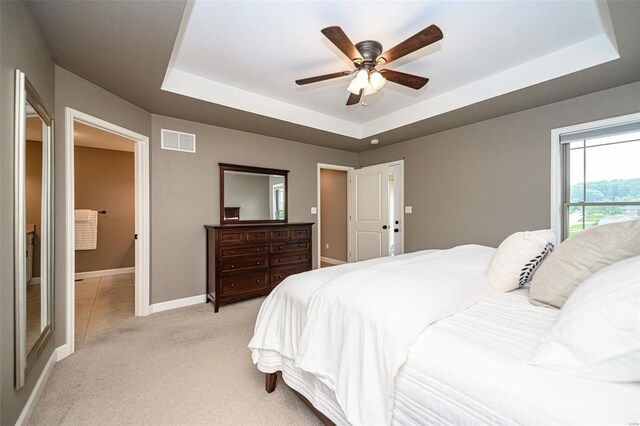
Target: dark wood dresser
<point>245,261</point>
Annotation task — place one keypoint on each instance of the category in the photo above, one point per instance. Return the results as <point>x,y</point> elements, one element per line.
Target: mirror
<point>252,194</point>
<point>33,226</point>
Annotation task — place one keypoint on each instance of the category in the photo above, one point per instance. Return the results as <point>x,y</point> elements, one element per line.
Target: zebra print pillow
<point>530,267</point>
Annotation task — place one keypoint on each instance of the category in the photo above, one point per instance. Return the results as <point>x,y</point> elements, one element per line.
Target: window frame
<point>559,172</point>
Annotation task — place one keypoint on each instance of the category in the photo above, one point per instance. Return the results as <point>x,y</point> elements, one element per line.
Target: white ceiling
<point>246,55</point>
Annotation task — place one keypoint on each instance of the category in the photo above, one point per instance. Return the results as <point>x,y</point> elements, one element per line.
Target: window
<point>600,176</point>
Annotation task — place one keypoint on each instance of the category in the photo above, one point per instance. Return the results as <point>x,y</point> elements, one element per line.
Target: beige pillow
<point>517,258</point>
<point>580,256</point>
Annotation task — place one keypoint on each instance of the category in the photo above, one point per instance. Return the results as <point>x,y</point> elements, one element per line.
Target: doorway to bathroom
<point>104,219</point>
<point>107,221</point>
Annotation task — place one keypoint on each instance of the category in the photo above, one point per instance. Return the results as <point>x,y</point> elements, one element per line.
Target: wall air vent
<point>178,141</point>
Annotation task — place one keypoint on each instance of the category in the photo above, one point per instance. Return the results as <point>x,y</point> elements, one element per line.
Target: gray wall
<point>185,195</point>
<point>481,182</point>
<point>21,47</point>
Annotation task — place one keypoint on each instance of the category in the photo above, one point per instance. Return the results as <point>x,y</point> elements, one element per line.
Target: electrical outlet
<point>314,210</point>
<point>408,209</point>
<point>326,246</point>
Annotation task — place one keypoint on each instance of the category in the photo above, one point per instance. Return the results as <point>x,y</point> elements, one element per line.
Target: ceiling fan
<point>367,54</point>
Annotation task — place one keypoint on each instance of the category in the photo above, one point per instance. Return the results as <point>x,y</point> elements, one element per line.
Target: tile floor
<point>102,303</point>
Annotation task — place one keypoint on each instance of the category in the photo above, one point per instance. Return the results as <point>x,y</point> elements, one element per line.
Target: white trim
<point>319,211</point>
<point>555,218</point>
<point>62,352</point>
<point>142,215</point>
<point>105,273</point>
<point>177,303</point>
<point>332,261</point>
<point>31,403</point>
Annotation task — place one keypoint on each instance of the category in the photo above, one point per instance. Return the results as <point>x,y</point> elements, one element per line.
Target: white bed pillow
<point>581,255</point>
<point>517,258</point>
<point>597,334</point>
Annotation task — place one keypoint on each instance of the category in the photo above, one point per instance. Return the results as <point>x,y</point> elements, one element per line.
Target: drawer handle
<point>279,247</point>
<point>300,257</point>
<point>258,281</point>
<point>299,245</point>
<point>258,263</point>
<point>232,285</point>
<point>257,235</point>
<point>233,266</point>
<point>232,237</point>
<point>280,260</point>
<point>280,276</point>
<point>231,252</point>
<point>257,250</point>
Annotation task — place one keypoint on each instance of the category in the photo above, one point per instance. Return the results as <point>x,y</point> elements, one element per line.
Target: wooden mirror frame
<point>259,170</point>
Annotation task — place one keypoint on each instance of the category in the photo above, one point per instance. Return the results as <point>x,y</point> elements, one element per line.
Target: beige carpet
<point>185,366</point>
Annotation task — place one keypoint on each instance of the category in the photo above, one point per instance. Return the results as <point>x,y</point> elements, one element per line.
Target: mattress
<point>471,368</point>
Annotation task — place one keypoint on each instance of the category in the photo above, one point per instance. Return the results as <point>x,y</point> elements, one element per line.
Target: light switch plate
<point>408,209</point>
<point>314,210</point>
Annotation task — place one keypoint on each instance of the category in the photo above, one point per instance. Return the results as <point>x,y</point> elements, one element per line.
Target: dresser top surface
<point>257,225</point>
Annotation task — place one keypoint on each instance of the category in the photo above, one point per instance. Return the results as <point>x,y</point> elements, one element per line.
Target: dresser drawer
<point>288,258</point>
<point>244,282</point>
<point>232,237</point>
<point>280,234</point>
<point>300,233</point>
<point>238,263</point>
<point>242,251</point>
<point>282,247</point>
<point>257,236</point>
<point>278,274</point>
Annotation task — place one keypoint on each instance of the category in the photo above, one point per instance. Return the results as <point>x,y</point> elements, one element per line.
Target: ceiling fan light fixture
<point>376,80</point>
<point>369,89</point>
<point>359,82</point>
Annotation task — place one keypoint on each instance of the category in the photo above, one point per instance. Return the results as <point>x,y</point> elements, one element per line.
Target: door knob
<point>384,226</point>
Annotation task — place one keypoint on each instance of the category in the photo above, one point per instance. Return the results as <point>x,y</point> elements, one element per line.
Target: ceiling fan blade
<point>409,80</point>
<point>342,42</point>
<point>429,35</point>
<point>354,99</point>
<point>318,78</point>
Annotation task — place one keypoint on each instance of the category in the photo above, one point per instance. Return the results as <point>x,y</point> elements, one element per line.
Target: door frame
<point>321,166</point>
<point>142,215</point>
<point>402,213</point>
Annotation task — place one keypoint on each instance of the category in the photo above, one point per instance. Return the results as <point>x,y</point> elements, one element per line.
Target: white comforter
<point>360,325</point>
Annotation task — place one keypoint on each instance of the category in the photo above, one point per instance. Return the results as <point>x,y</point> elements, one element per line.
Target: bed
<point>463,367</point>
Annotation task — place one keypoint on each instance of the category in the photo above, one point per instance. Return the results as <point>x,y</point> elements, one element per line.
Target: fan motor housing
<point>369,49</point>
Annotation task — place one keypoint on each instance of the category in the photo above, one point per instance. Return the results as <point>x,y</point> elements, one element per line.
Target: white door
<point>369,197</point>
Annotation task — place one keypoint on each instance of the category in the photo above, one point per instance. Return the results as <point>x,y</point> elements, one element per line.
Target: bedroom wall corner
<point>481,182</point>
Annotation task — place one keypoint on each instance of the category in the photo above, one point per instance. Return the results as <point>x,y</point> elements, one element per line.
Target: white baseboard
<point>177,303</point>
<point>105,273</point>
<point>331,261</point>
<point>62,352</point>
<point>28,408</point>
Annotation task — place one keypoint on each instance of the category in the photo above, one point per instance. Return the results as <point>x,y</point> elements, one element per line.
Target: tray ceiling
<point>246,55</point>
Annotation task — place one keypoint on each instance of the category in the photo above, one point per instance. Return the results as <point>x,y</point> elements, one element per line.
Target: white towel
<point>83,215</point>
<point>86,230</point>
